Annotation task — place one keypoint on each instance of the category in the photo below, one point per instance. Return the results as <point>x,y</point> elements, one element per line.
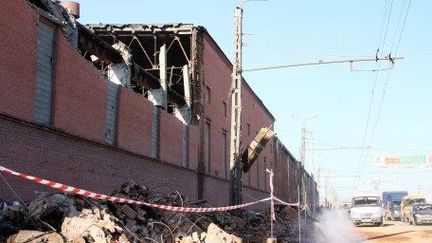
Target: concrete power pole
<point>303,140</point>
<point>236,109</point>
<point>303,144</point>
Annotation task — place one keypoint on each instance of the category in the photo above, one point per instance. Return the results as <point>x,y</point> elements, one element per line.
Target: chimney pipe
<point>73,7</point>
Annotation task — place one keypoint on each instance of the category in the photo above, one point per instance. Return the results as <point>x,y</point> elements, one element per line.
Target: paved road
<point>395,232</point>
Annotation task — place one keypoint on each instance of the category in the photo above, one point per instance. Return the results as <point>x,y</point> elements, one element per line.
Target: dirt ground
<point>396,231</point>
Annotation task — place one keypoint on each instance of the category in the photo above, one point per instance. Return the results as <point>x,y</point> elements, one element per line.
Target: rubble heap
<point>58,217</point>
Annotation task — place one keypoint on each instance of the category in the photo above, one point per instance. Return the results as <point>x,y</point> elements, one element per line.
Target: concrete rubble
<point>58,217</point>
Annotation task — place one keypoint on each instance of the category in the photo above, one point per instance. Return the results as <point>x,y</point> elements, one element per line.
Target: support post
<point>235,139</point>
<point>159,97</point>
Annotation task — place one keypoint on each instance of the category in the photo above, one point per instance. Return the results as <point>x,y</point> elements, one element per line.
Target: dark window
<point>44,74</point>
<point>225,153</point>
<point>265,167</point>
<point>208,95</point>
<point>225,107</point>
<point>257,174</point>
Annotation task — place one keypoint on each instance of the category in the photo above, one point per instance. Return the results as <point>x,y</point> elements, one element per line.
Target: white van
<point>366,209</point>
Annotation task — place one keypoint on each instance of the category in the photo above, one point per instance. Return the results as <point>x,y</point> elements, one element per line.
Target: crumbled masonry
<point>58,217</point>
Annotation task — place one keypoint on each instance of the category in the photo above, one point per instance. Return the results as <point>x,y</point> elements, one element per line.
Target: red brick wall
<point>292,180</point>
<point>81,163</point>
<point>193,147</point>
<point>256,116</point>
<point>134,122</point>
<point>18,34</point>
<point>79,97</point>
<point>281,174</point>
<point>217,76</point>
<point>80,94</point>
<point>216,191</point>
<point>250,195</point>
<point>171,135</point>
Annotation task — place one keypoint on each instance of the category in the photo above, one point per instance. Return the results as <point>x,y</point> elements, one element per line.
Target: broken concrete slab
<point>217,235</point>
<point>33,236</point>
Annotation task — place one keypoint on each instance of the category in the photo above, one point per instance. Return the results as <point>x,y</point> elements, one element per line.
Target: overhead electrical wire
<point>389,72</point>
<point>381,44</point>
<point>388,75</point>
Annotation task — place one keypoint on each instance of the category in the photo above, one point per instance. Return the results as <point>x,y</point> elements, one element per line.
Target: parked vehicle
<point>366,209</point>
<point>391,204</point>
<point>406,205</point>
<point>420,214</point>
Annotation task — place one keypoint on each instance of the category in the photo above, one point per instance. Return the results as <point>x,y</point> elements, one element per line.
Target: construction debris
<point>57,217</point>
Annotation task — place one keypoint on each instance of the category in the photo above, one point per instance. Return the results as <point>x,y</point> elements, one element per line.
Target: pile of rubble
<point>57,217</point>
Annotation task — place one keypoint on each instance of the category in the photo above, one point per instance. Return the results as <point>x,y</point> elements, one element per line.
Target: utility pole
<point>236,109</point>
<point>303,144</point>
<point>303,139</point>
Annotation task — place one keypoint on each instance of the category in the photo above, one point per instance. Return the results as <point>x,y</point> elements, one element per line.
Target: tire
<point>381,224</point>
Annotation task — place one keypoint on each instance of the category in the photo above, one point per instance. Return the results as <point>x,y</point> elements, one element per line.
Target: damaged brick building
<point>96,105</point>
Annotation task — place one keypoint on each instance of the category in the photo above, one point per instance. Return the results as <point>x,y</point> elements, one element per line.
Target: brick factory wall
<point>80,94</point>
<point>218,79</point>
<point>250,194</point>
<point>256,117</point>
<point>171,143</point>
<point>281,174</point>
<point>134,122</point>
<point>81,163</point>
<point>79,98</point>
<point>18,34</point>
<point>216,191</point>
<point>292,184</point>
<point>193,147</point>
<point>217,74</point>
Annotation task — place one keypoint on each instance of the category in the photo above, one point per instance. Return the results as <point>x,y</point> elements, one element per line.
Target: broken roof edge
<point>150,28</point>
<point>177,28</point>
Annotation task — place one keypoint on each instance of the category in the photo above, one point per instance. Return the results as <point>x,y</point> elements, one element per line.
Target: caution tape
<point>103,197</point>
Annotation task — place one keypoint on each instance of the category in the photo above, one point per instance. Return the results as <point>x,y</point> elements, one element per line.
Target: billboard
<point>404,161</point>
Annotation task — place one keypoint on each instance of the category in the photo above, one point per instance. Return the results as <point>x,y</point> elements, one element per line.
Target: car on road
<point>420,214</point>
<point>366,209</point>
<point>406,205</point>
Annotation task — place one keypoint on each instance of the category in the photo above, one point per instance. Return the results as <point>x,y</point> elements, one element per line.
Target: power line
<point>403,26</point>
<point>383,38</point>
<point>389,73</point>
<point>320,62</point>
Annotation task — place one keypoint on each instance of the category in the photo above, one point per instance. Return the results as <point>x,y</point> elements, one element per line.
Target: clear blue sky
<point>281,32</point>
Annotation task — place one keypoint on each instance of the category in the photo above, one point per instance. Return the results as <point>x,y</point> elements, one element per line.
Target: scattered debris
<point>58,217</point>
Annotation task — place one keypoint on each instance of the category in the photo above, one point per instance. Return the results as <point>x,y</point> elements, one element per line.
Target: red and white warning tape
<point>98,196</point>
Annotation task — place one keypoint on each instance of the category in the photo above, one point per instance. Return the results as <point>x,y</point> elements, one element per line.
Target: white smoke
<point>335,226</point>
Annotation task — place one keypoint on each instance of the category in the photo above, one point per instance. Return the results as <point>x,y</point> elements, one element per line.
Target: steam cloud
<point>335,226</point>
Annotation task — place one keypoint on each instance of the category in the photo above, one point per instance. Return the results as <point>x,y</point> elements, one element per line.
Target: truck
<point>366,209</point>
<point>391,204</point>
